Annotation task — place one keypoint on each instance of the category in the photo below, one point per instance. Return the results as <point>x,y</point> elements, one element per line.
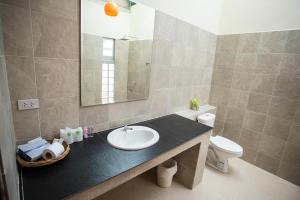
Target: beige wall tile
<point>289,172</point>
<point>225,60</point>
<point>19,3</point>
<point>222,77</point>
<point>245,62</point>
<point>57,113</point>
<point>176,78</point>
<point>160,101</point>
<point>268,63</point>
<point>63,8</point>
<point>249,155</point>
<point>55,44</point>
<point>232,132</point>
<point>164,26</point>
<point>161,52</point>
<point>26,124</point>
<point>277,127</point>
<point>292,154</point>
<point>57,77</point>
<point>271,146</point>
<point>288,84</point>
<point>221,113</point>
<point>235,116</point>
<point>267,163</point>
<point>228,43</point>
<point>273,42</point>
<point>118,123</point>
<point>17,35</point>
<point>254,121</point>
<point>248,43</point>
<point>263,83</point>
<point>249,139</point>
<point>293,44</point>
<point>176,98</point>
<point>242,81</point>
<point>93,115</point>
<point>128,110</point>
<point>297,114</point>
<point>161,78</point>
<point>219,96</point>
<point>177,52</point>
<point>21,93</point>
<point>290,63</point>
<point>99,127</point>
<point>294,136</point>
<point>258,102</point>
<point>218,127</point>
<point>20,72</point>
<point>282,107</point>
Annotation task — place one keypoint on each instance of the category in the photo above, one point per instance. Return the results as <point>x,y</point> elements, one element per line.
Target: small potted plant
<point>195,103</point>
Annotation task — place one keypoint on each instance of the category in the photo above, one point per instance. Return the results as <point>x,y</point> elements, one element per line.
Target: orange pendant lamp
<point>111,8</point>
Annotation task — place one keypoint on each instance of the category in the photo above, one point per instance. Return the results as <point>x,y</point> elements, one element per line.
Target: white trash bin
<point>165,173</point>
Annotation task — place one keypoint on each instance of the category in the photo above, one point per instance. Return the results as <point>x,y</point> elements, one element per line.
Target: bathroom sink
<point>133,137</point>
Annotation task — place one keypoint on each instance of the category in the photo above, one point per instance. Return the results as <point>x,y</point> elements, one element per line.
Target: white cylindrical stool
<point>165,173</point>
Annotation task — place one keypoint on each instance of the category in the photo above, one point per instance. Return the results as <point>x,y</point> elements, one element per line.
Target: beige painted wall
<point>251,16</point>
<point>7,134</point>
<point>42,54</point>
<point>201,13</point>
<point>256,88</point>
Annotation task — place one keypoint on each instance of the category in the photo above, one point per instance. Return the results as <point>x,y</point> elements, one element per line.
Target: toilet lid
<point>226,145</point>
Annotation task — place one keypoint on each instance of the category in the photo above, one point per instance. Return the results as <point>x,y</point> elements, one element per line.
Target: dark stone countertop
<point>94,161</point>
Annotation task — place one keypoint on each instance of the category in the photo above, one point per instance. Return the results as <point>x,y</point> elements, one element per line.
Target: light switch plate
<point>28,104</point>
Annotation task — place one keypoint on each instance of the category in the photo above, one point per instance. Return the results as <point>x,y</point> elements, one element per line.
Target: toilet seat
<point>226,145</point>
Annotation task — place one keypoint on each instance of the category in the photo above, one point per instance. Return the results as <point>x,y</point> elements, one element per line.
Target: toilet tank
<point>207,119</point>
<point>193,114</point>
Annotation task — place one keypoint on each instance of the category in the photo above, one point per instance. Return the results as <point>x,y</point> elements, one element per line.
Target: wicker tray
<point>41,162</point>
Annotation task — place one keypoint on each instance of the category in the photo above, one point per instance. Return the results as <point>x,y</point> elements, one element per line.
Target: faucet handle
<point>126,128</point>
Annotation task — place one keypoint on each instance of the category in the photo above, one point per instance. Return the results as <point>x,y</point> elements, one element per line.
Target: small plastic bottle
<point>69,137</point>
<point>77,134</point>
<point>85,132</point>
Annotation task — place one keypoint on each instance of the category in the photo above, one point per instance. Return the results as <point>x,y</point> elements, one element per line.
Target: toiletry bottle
<point>69,138</point>
<point>77,134</point>
<point>85,132</point>
<point>63,134</point>
<point>90,132</point>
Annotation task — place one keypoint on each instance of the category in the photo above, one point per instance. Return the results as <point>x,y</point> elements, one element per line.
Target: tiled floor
<point>244,182</point>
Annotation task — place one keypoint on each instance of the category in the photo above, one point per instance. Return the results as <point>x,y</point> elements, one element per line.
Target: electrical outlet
<point>28,104</point>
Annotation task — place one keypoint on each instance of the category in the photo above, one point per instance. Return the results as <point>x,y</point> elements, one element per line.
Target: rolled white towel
<point>31,145</point>
<point>35,154</point>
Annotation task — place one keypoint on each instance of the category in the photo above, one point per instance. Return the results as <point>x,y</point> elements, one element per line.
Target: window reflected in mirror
<point>115,52</point>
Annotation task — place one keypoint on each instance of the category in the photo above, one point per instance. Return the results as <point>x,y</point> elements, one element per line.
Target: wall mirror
<point>115,52</point>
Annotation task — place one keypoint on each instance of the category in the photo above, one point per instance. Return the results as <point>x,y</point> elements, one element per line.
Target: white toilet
<point>220,148</point>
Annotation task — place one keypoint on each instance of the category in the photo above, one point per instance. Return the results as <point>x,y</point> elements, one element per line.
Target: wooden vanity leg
<point>191,163</point>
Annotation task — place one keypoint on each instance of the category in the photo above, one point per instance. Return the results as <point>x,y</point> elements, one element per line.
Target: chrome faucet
<point>126,128</point>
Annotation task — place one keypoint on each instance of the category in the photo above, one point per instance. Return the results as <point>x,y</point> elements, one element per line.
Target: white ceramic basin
<point>134,138</point>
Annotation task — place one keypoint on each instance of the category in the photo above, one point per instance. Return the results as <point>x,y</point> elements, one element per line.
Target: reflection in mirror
<point>115,52</point>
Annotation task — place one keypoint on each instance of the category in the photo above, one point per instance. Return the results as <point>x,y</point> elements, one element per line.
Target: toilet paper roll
<point>53,151</point>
